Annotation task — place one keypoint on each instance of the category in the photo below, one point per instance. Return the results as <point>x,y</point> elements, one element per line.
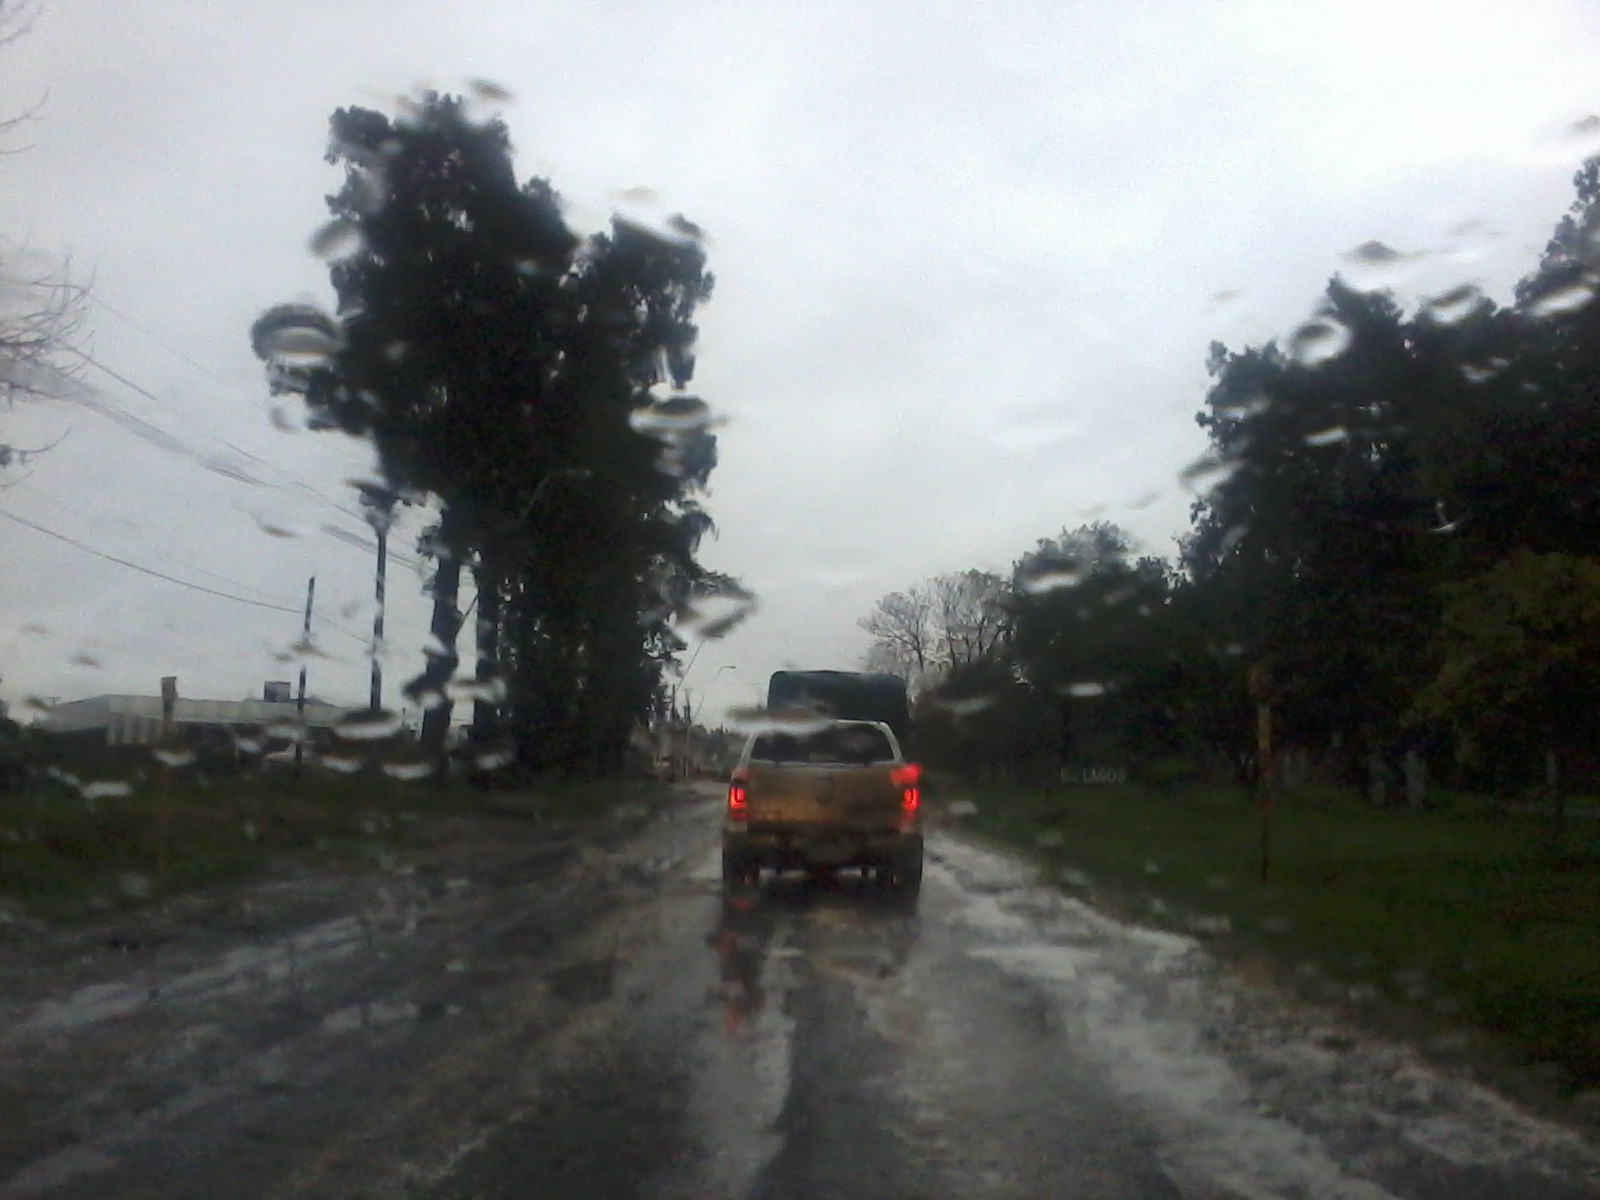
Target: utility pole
<point>300,701</point>
<point>381,528</point>
<point>379,503</point>
<point>1263,691</point>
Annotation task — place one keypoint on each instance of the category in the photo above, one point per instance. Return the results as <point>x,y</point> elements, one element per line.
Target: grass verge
<point>65,855</point>
<point>1470,926</point>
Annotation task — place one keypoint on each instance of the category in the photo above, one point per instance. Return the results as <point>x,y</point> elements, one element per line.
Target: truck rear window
<point>854,744</point>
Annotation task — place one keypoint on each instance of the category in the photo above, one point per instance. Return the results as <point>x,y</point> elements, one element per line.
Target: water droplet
<point>1144,500</point>
<point>1073,877</point>
<point>296,337</point>
<point>778,720</point>
<point>1374,265</point>
<point>283,419</point>
<point>368,726</point>
<point>273,528</point>
<point>104,789</point>
<point>408,771</point>
<point>1084,689</point>
<point>1036,582</point>
<point>493,760</point>
<point>1150,868</point>
<point>1318,341</point>
<point>965,706</point>
<point>1563,299</point>
<point>177,757</point>
<point>672,417</point>
<point>1330,436</point>
<point>1220,299</point>
<point>1206,472</point>
<point>1453,306</point>
<point>85,659</point>
<point>961,808</point>
<point>640,209</point>
<point>490,691</point>
<point>489,90</point>
<point>1239,410</point>
<point>714,616</point>
<point>1476,374</point>
<point>339,238</point>
<point>343,764</point>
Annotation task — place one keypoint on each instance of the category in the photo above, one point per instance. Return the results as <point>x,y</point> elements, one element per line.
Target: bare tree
<point>901,625</point>
<point>41,307</point>
<point>928,630</point>
<point>969,617</point>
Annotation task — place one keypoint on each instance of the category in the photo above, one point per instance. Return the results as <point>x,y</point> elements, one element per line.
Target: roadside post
<point>1261,690</point>
<point>169,706</point>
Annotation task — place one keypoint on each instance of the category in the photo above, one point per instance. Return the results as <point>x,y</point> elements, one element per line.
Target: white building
<point>136,720</point>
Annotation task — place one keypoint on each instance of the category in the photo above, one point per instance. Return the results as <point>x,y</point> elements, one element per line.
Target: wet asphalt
<point>581,1020</point>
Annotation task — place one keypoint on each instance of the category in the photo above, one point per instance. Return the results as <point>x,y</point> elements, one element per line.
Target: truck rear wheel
<point>907,873</point>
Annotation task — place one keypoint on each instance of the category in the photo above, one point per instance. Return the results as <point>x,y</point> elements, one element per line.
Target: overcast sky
<point>968,257</point>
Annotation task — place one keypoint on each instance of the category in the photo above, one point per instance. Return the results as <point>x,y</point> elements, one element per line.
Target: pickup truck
<point>831,795</point>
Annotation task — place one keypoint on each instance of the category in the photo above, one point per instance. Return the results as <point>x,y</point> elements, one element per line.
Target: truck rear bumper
<point>779,849</point>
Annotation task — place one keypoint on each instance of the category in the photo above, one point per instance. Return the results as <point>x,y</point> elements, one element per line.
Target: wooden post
<point>1260,683</point>
<point>300,700</point>
<point>169,706</point>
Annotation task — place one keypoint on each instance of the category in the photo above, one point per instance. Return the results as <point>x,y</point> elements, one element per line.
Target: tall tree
<point>500,363</point>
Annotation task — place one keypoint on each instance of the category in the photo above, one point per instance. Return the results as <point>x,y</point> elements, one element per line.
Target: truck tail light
<point>906,775</point>
<point>908,779</point>
<point>738,797</point>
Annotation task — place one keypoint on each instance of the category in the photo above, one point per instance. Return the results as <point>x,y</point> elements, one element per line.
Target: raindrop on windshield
<point>965,706</point>
<point>779,720</point>
<point>297,337</point>
<point>1453,306</point>
<point>1563,299</point>
<point>1374,265</point>
<point>1038,581</point>
<point>1206,472</point>
<point>366,727</point>
<point>336,240</point>
<point>1330,436</point>
<point>408,771</point>
<point>1318,341</point>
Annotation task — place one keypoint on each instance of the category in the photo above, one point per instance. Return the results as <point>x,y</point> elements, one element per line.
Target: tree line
<point>1395,538</point>
<point>530,385</point>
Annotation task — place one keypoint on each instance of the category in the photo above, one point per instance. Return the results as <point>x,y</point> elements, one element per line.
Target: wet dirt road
<point>539,1017</point>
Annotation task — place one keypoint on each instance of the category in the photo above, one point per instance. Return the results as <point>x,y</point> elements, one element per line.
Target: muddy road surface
<point>516,1013</point>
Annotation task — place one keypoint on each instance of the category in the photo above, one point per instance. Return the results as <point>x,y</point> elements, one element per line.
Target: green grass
<point>1461,921</point>
<point>63,856</point>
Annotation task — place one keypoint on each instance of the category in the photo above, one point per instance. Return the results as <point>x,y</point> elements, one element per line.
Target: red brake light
<point>738,800</point>
<point>907,776</point>
<point>911,800</point>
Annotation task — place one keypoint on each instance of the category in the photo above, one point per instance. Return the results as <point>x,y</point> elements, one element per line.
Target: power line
<point>101,302</point>
<point>148,549</point>
<point>163,440</point>
<point>71,541</point>
<point>151,571</point>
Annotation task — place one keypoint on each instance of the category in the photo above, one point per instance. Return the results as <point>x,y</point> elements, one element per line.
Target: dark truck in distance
<point>821,797</point>
<point>844,695</point>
